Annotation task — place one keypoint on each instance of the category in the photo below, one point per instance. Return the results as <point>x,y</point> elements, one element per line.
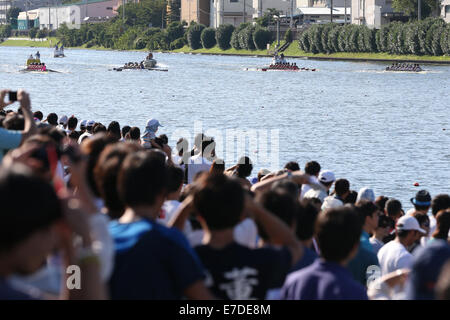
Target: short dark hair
<point>74,135</point>
<point>351,198</point>
<point>306,218</point>
<point>341,186</point>
<point>98,127</point>
<point>52,119</point>
<point>135,133</point>
<point>385,221</point>
<point>292,166</point>
<point>106,172</point>
<point>38,115</point>
<point>312,168</point>
<point>175,178</point>
<point>244,167</point>
<point>20,218</point>
<point>364,209</point>
<point>380,201</point>
<point>442,225</point>
<point>125,130</point>
<point>72,122</point>
<point>220,201</point>
<point>114,129</point>
<point>142,177</point>
<point>393,208</point>
<point>287,186</point>
<point>421,218</point>
<point>281,204</point>
<point>218,166</point>
<point>338,231</point>
<point>440,202</point>
<point>14,122</point>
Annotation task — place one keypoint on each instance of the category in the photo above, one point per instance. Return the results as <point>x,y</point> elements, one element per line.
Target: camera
<point>12,96</point>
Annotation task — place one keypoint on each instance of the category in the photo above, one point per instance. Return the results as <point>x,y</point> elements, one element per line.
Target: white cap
<point>326,176</point>
<point>408,223</point>
<point>366,194</point>
<point>331,202</point>
<point>90,123</point>
<point>63,120</point>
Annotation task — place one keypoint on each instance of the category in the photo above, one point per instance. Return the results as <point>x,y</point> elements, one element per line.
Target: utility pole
<point>243,12</point>
<point>198,11</point>
<point>345,11</point>
<point>331,12</point>
<point>419,10</point>
<point>291,23</point>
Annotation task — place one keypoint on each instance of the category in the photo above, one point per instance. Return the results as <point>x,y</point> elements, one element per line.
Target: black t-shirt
<point>240,273</point>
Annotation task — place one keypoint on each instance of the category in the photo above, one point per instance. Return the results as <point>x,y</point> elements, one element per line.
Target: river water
<point>378,129</point>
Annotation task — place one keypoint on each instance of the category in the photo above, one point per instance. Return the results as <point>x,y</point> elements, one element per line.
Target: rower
<point>38,55</point>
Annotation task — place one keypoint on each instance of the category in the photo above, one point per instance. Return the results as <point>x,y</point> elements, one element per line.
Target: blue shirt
<point>427,265</point>
<point>151,262</point>
<point>8,292</point>
<point>322,281</point>
<point>364,241</point>
<point>9,139</point>
<point>308,258</point>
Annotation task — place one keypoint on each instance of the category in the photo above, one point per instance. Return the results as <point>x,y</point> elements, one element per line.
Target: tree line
<point>430,36</point>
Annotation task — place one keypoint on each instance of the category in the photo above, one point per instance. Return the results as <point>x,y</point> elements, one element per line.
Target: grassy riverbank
<point>294,51</point>
<point>26,42</point>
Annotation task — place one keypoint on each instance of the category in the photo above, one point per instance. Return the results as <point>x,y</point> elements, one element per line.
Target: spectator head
<point>182,147</point>
<point>408,229</point>
<point>14,121</point>
<point>219,201</point>
<point>63,121</point>
<point>142,181</point>
<point>380,201</point>
<point>366,194</point>
<point>52,119</point>
<point>83,124</point>
<point>244,167</point>
<point>72,123</point>
<point>384,225</point>
<point>98,127</point>
<point>440,202</point>
<point>312,168</point>
<point>287,186</point>
<point>292,166</point>
<point>74,135</point>
<point>135,133</point>
<point>262,173</point>
<point>114,130</point>
<point>442,225</point>
<point>38,115</point>
<point>218,166</point>
<point>424,222</point>
<point>125,130</point>
<point>93,147</point>
<point>369,214</point>
<point>282,205</point>
<point>307,213</point>
<point>90,126</point>
<point>326,178</point>
<point>106,172</point>
<point>208,147</point>
<point>351,198</point>
<point>30,230</point>
<point>393,208</point>
<point>175,178</point>
<point>422,201</point>
<point>338,232</point>
<point>342,188</point>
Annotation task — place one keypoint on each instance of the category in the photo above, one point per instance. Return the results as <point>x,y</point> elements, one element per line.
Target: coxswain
<point>38,55</point>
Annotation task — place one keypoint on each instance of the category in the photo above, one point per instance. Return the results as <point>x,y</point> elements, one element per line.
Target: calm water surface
<point>377,129</point>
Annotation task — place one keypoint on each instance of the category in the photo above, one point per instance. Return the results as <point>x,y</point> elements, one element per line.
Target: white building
<point>4,7</point>
<point>231,12</point>
<point>445,10</point>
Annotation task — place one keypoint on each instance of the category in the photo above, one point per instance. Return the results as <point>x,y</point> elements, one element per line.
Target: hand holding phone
<point>12,96</point>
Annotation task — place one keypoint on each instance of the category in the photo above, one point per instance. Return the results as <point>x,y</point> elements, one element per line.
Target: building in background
<point>375,13</point>
<point>445,10</point>
<point>198,11</point>
<point>5,5</point>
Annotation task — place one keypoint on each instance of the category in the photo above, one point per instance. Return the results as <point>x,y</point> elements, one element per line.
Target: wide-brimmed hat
<point>151,125</point>
<point>422,198</point>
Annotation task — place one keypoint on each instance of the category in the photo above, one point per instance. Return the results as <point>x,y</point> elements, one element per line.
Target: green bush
<point>288,35</point>
<point>261,37</point>
<point>193,36</point>
<point>174,31</point>
<point>32,33</point>
<point>344,33</point>
<point>324,38</point>
<point>430,45</point>
<point>140,43</point>
<point>208,38</point>
<point>445,40</point>
<point>382,44</point>
<point>5,31</point>
<point>246,38</point>
<point>177,44</point>
<point>411,44</point>
<point>424,26</point>
<point>234,41</point>
<point>223,36</point>
<point>333,42</point>
<point>303,41</point>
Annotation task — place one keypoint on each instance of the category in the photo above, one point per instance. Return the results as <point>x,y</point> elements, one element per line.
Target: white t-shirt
<point>320,194</point>
<point>86,134</point>
<point>307,187</point>
<point>197,164</point>
<point>393,256</point>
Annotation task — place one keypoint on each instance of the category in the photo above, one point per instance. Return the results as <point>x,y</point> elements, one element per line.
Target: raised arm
<point>25,104</point>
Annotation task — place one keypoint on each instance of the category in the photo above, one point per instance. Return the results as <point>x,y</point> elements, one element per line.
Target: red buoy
<point>416,184</point>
